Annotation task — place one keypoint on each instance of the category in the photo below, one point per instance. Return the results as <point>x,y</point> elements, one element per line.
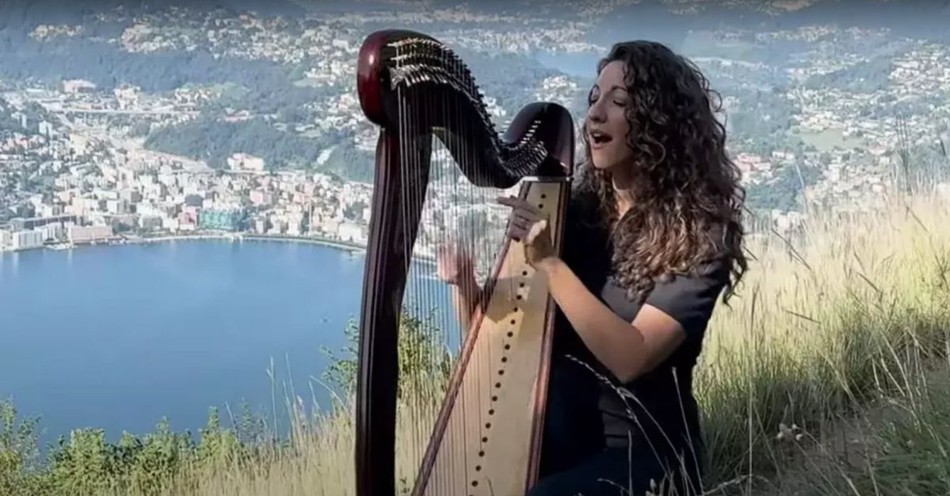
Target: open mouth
<point>598,138</point>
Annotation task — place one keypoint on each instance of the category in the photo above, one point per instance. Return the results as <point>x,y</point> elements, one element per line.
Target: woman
<point>654,236</point>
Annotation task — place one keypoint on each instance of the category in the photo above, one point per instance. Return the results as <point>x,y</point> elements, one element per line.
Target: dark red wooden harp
<point>485,438</point>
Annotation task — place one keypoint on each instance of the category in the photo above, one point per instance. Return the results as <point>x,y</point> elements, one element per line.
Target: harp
<point>483,434</point>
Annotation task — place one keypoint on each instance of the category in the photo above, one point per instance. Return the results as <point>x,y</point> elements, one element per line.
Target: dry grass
<point>846,313</point>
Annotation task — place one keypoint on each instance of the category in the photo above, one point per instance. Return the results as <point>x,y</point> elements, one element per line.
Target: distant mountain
<point>664,20</point>
<point>916,18</point>
<point>671,23</point>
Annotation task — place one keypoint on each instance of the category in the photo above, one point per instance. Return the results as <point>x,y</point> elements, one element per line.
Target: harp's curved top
<point>413,88</point>
<point>422,68</point>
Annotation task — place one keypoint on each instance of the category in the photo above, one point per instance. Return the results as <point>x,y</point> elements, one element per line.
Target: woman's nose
<point>595,113</point>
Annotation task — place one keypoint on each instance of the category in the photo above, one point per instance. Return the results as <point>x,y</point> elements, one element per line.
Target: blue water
<point>119,337</point>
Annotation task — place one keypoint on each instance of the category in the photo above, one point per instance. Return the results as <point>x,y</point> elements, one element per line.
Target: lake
<point>118,337</point>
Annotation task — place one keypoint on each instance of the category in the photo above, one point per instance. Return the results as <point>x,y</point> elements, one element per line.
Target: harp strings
<point>455,214</point>
<point>406,159</point>
<point>423,326</point>
<point>461,241</point>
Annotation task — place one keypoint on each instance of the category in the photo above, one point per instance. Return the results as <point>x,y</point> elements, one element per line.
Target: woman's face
<point>607,125</point>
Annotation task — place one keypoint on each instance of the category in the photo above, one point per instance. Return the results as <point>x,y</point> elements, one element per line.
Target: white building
<point>24,240</point>
<point>349,231</point>
<point>85,234</point>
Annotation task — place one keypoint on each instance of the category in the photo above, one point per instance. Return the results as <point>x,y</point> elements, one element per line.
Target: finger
<point>523,209</point>
<point>518,226</point>
<point>522,216</point>
<point>536,211</point>
<point>521,228</point>
<point>517,233</point>
<point>522,222</point>
<point>523,204</point>
<point>524,227</point>
<point>514,202</point>
<point>506,200</point>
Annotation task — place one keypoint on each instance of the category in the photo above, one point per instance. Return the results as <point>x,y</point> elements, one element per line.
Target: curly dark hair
<point>688,199</point>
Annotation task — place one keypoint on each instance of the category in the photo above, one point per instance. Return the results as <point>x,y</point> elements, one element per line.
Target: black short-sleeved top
<point>588,408</point>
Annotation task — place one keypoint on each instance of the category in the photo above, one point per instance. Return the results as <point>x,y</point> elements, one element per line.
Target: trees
<point>424,360</point>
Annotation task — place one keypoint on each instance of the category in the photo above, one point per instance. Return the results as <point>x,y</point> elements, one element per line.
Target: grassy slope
<point>818,379</point>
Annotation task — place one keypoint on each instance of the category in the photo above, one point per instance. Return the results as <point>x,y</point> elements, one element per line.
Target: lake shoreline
<point>347,246</point>
<point>200,236</point>
<point>312,240</point>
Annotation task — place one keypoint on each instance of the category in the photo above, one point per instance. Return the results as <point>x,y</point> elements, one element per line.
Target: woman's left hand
<point>530,226</point>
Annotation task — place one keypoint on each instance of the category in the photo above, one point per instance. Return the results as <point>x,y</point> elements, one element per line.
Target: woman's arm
<point>455,267</point>
<point>466,296</point>
<point>627,349</point>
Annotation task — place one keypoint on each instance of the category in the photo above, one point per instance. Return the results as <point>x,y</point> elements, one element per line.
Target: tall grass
<point>846,313</point>
<point>817,379</point>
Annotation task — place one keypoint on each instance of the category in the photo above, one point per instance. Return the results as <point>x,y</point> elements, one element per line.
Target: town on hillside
<point>187,122</point>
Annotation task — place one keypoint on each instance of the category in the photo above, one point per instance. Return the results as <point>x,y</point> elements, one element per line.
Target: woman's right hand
<point>453,265</point>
